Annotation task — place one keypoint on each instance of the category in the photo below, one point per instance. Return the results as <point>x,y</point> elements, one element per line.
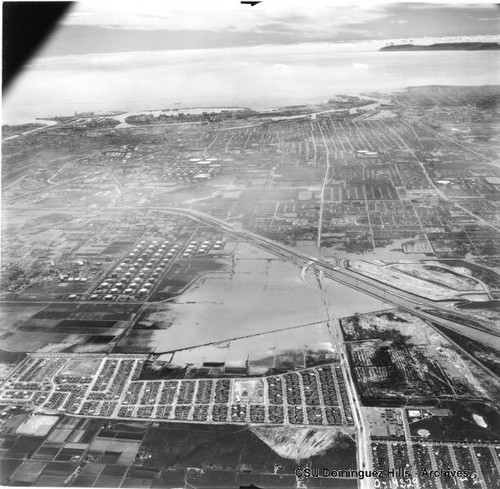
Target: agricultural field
<point>209,299</point>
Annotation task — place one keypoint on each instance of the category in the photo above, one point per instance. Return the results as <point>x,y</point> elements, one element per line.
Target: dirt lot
<point>432,282</point>
<point>37,425</point>
<point>398,356</point>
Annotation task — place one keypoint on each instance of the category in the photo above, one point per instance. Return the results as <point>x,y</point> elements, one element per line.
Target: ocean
<point>258,77</point>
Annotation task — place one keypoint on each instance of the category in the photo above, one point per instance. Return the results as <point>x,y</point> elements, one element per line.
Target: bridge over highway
<point>337,270</point>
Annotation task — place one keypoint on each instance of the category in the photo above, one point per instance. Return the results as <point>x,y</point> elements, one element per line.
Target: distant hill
<point>444,46</point>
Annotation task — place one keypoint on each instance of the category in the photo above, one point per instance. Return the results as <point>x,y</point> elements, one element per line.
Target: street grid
<point>314,396</point>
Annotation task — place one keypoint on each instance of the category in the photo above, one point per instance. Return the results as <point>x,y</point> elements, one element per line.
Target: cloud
<point>463,4</point>
<point>241,76</point>
<point>245,55</point>
<point>317,18</point>
<point>133,25</point>
<point>280,67</point>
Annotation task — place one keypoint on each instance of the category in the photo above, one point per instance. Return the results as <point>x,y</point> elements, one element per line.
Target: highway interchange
<point>337,271</point>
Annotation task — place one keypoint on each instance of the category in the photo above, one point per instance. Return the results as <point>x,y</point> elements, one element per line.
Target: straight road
<point>402,299</point>
<point>325,181</point>
<point>338,272</point>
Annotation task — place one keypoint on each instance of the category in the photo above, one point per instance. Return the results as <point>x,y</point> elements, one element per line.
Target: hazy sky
<point>110,55</point>
<point>109,26</point>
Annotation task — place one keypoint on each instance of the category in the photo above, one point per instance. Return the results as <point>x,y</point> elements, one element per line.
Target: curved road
<point>399,298</point>
<point>337,271</point>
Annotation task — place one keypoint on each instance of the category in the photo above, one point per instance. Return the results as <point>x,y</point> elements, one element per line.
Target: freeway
<point>363,444</point>
<point>338,271</point>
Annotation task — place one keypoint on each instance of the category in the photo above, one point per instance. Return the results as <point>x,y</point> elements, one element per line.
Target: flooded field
<point>256,309</point>
<point>345,301</point>
<point>258,355</point>
<point>259,295</point>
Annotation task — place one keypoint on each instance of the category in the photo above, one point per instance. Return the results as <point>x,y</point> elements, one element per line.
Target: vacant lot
<point>37,425</point>
<point>398,356</point>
